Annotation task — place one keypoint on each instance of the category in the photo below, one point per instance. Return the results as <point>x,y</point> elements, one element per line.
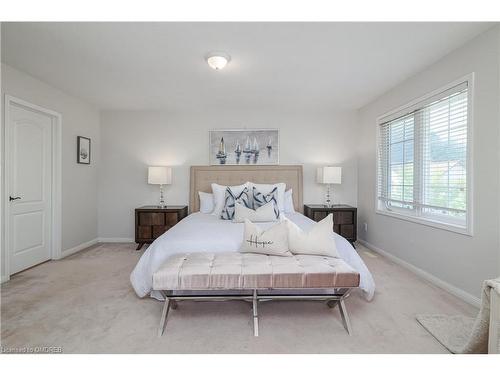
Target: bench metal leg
<point>345,316</point>
<point>164,313</point>
<point>332,303</point>
<point>337,298</point>
<point>255,314</point>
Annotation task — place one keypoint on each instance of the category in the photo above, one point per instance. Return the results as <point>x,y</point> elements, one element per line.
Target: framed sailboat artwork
<point>244,147</point>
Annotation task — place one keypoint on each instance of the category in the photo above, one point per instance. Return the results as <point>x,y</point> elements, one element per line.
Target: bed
<point>200,232</point>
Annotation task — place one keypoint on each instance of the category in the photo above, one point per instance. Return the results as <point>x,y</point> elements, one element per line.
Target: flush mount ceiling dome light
<point>218,60</point>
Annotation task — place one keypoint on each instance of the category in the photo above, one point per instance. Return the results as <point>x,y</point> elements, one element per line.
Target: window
<point>423,160</point>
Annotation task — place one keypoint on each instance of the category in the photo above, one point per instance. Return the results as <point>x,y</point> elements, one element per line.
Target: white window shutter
<point>422,159</point>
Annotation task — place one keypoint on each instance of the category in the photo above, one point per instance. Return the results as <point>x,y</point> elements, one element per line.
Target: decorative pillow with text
<point>273,241</point>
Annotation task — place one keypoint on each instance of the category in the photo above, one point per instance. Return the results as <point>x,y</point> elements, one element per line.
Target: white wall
<point>133,140</point>
<point>79,182</point>
<point>498,158</point>
<point>3,276</point>
<point>460,260</point>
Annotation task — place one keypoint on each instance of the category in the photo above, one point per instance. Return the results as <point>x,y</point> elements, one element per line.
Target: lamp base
<point>162,200</point>
<point>328,198</point>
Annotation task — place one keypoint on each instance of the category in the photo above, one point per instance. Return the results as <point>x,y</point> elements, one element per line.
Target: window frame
<point>433,221</point>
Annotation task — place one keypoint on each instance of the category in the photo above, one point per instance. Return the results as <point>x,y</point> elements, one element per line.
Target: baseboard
<point>82,246</point>
<point>457,292</point>
<point>115,239</point>
<point>78,248</point>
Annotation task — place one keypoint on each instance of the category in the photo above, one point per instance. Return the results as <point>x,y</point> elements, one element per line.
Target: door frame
<point>56,211</point>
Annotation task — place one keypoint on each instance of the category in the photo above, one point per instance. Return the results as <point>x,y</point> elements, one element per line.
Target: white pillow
<point>263,213</point>
<point>219,192</point>
<point>318,240</point>
<point>206,202</point>
<point>289,201</point>
<point>267,188</point>
<point>273,241</point>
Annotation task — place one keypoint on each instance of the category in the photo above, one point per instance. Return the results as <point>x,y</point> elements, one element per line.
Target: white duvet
<point>205,232</point>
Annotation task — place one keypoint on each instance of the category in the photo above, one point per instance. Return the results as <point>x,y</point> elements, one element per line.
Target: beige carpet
<point>85,304</point>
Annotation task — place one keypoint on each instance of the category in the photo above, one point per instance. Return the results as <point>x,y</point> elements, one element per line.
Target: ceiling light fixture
<point>218,60</point>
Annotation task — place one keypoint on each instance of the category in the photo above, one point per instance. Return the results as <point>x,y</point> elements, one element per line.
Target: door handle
<point>14,198</point>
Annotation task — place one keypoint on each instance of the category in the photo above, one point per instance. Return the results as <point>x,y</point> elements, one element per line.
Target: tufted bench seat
<point>207,271</point>
<point>230,271</point>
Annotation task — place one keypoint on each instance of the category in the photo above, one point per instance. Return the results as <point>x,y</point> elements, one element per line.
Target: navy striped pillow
<point>230,200</point>
<point>259,199</point>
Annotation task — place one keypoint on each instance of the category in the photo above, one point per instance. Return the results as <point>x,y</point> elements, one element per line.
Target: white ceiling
<point>279,66</point>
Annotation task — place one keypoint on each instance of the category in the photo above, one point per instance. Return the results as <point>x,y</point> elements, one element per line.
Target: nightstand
<point>344,218</point>
<point>152,221</point>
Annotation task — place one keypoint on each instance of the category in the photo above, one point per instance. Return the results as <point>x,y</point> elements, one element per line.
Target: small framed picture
<point>83,150</point>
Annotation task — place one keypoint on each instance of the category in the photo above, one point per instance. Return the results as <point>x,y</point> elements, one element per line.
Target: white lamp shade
<point>329,175</point>
<point>159,175</point>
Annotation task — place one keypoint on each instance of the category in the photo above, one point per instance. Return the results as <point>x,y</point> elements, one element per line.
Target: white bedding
<point>205,232</point>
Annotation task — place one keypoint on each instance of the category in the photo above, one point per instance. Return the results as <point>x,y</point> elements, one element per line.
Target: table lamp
<point>329,175</point>
<point>160,176</point>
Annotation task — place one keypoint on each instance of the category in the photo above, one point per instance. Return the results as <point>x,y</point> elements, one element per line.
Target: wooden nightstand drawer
<point>144,232</point>
<point>151,218</point>
<point>347,231</point>
<point>346,217</point>
<point>158,230</point>
<point>151,222</point>
<point>171,218</point>
<point>320,215</point>
<point>342,217</point>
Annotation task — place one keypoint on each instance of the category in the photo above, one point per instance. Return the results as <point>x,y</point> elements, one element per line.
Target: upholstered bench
<point>201,276</point>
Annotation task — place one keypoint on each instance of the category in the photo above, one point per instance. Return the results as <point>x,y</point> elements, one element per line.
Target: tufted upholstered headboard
<point>203,176</point>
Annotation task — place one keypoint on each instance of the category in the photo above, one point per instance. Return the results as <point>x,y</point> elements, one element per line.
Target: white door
<point>30,187</point>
